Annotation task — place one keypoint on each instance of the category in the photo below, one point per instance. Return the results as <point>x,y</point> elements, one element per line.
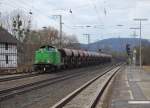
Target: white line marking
<point>127,83</point>
<point>138,102</point>
<point>131,95</point>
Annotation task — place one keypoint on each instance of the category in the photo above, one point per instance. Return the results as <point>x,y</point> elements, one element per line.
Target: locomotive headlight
<point>48,61</point>
<point>36,61</point>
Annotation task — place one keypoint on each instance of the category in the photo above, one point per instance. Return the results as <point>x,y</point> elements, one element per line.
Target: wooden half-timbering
<point>8,55</point>
<point>8,50</point>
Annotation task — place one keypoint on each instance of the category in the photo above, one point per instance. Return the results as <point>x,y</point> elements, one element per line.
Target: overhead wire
<point>43,13</point>
<point>96,11</point>
<point>25,5</point>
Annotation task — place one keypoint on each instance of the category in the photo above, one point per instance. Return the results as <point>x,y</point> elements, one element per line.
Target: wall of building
<point>8,55</point>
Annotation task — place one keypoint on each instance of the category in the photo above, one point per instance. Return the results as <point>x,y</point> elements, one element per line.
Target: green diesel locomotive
<point>49,57</point>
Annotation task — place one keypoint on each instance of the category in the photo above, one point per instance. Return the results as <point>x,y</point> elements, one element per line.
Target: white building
<point>8,50</point>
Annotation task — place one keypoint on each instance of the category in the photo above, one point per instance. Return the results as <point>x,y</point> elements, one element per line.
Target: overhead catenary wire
<point>98,14</point>
<point>27,6</point>
<point>96,11</point>
<point>24,6</point>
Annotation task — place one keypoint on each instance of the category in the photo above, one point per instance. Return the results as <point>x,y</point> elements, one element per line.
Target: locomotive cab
<point>47,57</point>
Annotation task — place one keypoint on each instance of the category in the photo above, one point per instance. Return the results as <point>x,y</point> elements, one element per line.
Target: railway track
<point>6,93</point>
<point>18,76</point>
<point>24,87</point>
<point>80,97</point>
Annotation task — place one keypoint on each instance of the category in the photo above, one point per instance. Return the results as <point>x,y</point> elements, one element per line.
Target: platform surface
<point>131,89</point>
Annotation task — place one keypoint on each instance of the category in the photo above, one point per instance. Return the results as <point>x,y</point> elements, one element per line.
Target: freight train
<point>48,57</point>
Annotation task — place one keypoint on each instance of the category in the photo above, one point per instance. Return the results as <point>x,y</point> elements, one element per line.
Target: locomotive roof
<point>47,46</point>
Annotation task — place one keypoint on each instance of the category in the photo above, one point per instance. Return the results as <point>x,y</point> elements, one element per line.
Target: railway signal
<point>128,50</point>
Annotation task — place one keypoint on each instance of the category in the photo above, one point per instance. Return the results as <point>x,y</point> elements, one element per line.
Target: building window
<point>6,56</point>
<point>6,46</point>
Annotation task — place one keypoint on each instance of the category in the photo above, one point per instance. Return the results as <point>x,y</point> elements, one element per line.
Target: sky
<point>102,16</point>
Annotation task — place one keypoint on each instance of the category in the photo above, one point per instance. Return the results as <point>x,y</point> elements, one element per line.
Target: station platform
<point>131,89</point>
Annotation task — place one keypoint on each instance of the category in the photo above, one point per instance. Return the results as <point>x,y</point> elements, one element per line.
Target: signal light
<point>128,50</point>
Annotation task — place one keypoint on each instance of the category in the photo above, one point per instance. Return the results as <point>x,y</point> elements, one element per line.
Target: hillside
<point>115,44</point>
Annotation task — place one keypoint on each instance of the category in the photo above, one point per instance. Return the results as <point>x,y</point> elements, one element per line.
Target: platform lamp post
<point>120,25</point>
<point>140,51</point>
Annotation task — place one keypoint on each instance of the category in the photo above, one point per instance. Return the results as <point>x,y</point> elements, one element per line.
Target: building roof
<point>5,36</point>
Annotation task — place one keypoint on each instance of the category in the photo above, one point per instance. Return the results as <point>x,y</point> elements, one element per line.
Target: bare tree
<point>70,41</point>
<point>145,54</point>
<point>18,23</point>
<point>49,36</point>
